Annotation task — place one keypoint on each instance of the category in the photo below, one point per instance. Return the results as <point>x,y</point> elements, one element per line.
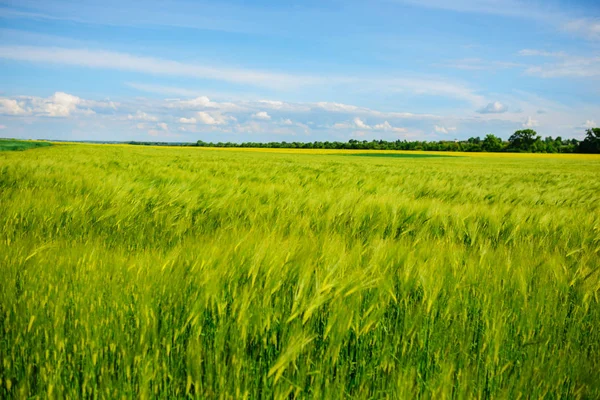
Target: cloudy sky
<point>308,70</point>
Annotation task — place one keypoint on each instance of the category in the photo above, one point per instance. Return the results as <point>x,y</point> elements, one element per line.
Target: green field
<point>20,145</point>
<point>135,272</point>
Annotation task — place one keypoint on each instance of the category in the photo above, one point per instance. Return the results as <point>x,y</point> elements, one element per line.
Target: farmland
<point>191,272</point>
<point>20,145</point>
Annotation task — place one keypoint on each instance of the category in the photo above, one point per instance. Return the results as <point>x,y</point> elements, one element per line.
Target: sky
<point>311,70</point>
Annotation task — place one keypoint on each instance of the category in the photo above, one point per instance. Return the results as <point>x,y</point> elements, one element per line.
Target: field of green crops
<point>140,272</point>
<point>20,145</point>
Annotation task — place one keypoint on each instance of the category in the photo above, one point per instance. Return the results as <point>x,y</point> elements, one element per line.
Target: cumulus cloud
<point>60,104</point>
<point>530,123</point>
<point>213,118</point>
<point>198,102</point>
<point>141,116</point>
<point>337,107</point>
<point>383,126</point>
<point>205,104</point>
<point>187,120</point>
<point>493,108</point>
<point>274,104</point>
<point>358,123</point>
<point>443,129</point>
<point>163,126</point>
<point>262,115</point>
<point>11,107</point>
<point>387,127</point>
<point>590,124</point>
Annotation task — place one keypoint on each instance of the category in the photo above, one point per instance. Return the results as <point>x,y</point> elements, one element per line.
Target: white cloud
<point>493,108</point>
<point>565,65</point>
<point>590,124</point>
<point>530,123</point>
<point>568,66</point>
<point>586,27</point>
<point>343,125</point>
<point>150,65</point>
<point>213,118</point>
<point>541,53</point>
<point>337,107</point>
<point>443,129</point>
<point>106,105</point>
<point>262,115</point>
<point>204,103</point>
<point>187,120</point>
<point>419,86</point>
<point>207,119</point>
<point>141,116</point>
<point>386,126</point>
<point>360,124</point>
<point>145,114</point>
<point>477,64</point>
<point>383,126</point>
<point>351,109</point>
<point>276,105</point>
<point>201,101</point>
<point>11,107</point>
<point>163,126</point>
<point>60,104</point>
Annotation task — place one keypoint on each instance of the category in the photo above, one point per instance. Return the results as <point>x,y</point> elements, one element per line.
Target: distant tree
<point>491,143</point>
<point>523,140</point>
<point>591,143</point>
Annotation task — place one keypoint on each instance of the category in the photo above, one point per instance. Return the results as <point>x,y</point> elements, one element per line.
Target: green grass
<point>20,145</point>
<point>157,272</point>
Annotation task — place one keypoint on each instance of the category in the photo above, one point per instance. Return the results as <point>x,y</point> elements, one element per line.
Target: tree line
<point>522,141</point>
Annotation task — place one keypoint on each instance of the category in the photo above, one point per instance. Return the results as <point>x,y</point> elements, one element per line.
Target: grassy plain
<point>185,272</point>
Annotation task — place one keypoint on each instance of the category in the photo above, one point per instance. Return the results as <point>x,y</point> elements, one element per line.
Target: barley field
<point>144,272</point>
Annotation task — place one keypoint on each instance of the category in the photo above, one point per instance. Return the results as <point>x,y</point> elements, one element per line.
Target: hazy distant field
<point>174,272</point>
<point>20,145</point>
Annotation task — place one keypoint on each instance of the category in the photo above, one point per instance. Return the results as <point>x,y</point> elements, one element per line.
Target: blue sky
<point>297,71</point>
